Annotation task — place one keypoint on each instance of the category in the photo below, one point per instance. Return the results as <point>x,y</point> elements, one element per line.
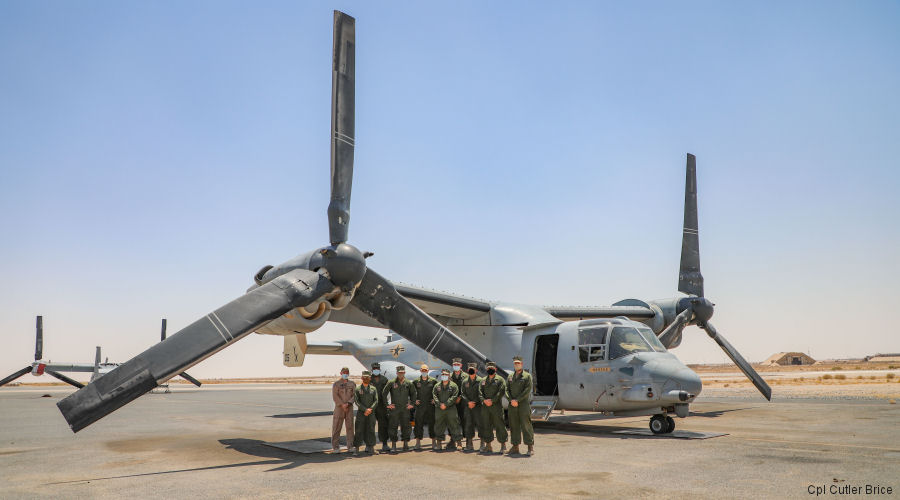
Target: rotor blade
<point>378,298</point>
<point>15,375</point>
<point>343,75</point>
<point>97,357</point>
<point>690,281</point>
<point>39,338</point>
<point>64,378</point>
<point>739,361</point>
<point>193,344</point>
<point>670,335</point>
<point>189,378</point>
<point>162,331</point>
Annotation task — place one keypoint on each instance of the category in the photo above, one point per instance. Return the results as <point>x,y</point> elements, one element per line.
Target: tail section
<point>295,348</point>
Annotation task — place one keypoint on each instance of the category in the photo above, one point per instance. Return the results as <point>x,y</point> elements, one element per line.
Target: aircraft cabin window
<point>653,339</point>
<point>626,340</point>
<point>592,343</point>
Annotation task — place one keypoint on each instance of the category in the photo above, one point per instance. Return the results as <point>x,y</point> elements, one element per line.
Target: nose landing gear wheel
<point>658,424</point>
<point>670,424</point>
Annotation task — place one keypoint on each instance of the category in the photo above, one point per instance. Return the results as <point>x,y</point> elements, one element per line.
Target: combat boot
<point>469,446</point>
<point>418,444</point>
<point>406,446</point>
<point>487,449</point>
<point>514,450</point>
<point>436,445</point>
<point>370,450</point>
<point>393,447</point>
<point>451,446</point>
<point>530,450</point>
<point>482,447</point>
<point>502,448</point>
<point>356,451</point>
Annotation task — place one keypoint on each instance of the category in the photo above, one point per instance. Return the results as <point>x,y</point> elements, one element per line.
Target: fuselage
<point>609,365</point>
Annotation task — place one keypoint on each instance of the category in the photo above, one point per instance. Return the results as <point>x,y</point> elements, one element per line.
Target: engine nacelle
<point>301,320</point>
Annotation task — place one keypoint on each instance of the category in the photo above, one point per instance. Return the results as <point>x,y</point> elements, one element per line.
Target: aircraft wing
<point>445,304</point>
<point>590,312</point>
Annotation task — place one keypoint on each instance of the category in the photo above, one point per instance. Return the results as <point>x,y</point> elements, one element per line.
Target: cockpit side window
<point>592,343</point>
<point>652,339</point>
<point>626,340</point>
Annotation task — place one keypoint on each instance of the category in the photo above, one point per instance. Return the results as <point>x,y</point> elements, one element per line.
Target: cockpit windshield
<point>653,339</point>
<point>626,340</point>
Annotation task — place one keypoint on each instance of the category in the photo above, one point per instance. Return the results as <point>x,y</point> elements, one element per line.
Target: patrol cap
<point>445,372</point>
<point>401,369</point>
<point>491,364</point>
<point>473,365</point>
<point>345,369</point>
<point>423,367</point>
<point>517,359</point>
<point>457,361</point>
<point>376,366</point>
<point>366,373</point>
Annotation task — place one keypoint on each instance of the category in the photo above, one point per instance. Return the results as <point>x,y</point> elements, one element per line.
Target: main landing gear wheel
<point>671,424</point>
<point>659,425</point>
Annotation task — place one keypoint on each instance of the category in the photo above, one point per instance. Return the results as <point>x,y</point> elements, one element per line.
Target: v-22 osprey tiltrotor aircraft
<point>611,359</point>
<point>99,368</point>
<point>41,366</point>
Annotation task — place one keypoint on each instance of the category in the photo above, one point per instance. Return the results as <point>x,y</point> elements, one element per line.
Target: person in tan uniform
<point>342,393</point>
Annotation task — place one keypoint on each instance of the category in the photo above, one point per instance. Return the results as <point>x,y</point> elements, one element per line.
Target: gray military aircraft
<point>97,369</point>
<point>612,359</point>
<point>39,366</point>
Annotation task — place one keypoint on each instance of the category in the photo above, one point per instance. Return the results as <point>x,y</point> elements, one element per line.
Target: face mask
<point>491,371</point>
<point>457,368</point>
<point>345,376</point>
<point>376,372</point>
<point>445,377</point>
<point>471,371</point>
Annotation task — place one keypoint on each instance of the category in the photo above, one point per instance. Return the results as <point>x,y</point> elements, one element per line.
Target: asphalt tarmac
<point>209,443</point>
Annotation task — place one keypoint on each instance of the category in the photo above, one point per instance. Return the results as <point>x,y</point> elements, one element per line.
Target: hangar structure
<point>789,358</point>
<point>875,358</point>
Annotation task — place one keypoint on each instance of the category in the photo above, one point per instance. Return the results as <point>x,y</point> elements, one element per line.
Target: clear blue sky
<point>154,155</point>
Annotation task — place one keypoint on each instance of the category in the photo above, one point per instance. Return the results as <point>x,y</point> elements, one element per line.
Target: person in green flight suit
<point>471,401</point>
<point>402,395</point>
<point>445,394</point>
<point>457,375</point>
<point>519,386</point>
<point>381,412</point>
<point>492,390</point>
<point>366,398</point>
<point>424,407</point>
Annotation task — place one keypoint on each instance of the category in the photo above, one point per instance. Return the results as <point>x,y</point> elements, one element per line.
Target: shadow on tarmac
<point>279,459</point>
<point>327,413</point>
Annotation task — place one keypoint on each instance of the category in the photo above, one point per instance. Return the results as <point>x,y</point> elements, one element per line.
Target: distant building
<point>789,358</point>
<point>883,357</point>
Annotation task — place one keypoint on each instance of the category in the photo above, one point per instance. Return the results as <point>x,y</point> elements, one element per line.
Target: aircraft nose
<point>675,376</point>
<point>688,381</point>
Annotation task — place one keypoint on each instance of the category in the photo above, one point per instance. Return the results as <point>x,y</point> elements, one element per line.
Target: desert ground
<point>216,441</point>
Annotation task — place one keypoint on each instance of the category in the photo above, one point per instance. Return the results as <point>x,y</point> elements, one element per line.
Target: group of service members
<point>461,403</point>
